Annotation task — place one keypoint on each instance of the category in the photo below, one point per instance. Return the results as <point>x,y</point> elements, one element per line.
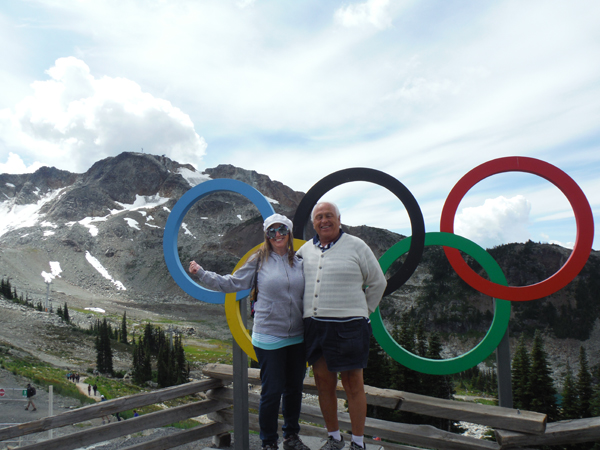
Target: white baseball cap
<point>277,218</point>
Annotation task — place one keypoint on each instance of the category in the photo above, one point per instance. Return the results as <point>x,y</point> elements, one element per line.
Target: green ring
<point>481,350</point>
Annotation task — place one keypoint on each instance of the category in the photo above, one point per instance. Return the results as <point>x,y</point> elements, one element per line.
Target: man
<point>343,286</point>
<point>30,394</point>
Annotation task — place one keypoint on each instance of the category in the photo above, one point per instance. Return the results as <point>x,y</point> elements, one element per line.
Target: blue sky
<point>424,91</point>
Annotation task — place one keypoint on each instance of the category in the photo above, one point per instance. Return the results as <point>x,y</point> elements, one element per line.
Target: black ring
<point>415,215</point>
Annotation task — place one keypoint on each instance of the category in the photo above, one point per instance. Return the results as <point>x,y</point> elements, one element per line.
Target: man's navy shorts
<point>345,344</point>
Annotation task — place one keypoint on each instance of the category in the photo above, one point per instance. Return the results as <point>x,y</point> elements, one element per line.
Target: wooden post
<point>241,426</point>
<point>503,371</point>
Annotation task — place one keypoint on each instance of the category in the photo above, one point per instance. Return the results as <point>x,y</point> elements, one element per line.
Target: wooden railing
<point>134,425</point>
<point>513,428</point>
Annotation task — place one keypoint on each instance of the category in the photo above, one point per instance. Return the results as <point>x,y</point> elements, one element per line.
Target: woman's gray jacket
<point>279,307</point>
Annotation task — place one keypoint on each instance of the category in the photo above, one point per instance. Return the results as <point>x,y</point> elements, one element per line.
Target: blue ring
<point>175,219</point>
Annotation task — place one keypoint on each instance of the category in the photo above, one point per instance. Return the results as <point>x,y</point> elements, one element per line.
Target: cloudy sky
<point>424,91</point>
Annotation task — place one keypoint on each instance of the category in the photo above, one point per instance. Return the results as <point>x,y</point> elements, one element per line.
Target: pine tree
<point>142,368</point>
<point>104,362</point>
<point>421,346</point>
<point>7,289</point>
<point>569,407</point>
<point>584,386</point>
<point>540,381</point>
<point>406,379</point>
<point>440,386</point>
<point>66,313</point>
<point>521,367</point>
<point>377,374</point>
<point>99,353</point>
<point>595,405</point>
<point>182,372</point>
<point>124,328</point>
<point>150,339</point>
<point>163,366</point>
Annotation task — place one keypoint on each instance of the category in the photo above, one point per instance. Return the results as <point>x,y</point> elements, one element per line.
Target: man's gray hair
<point>312,213</point>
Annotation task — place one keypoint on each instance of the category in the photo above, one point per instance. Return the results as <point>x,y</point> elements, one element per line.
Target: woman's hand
<point>194,267</point>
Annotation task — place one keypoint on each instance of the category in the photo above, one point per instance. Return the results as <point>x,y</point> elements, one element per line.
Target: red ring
<point>583,219</point>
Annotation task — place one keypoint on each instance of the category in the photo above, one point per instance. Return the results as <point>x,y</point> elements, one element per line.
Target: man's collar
<point>317,241</point>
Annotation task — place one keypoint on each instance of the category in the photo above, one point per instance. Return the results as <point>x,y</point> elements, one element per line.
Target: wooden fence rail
<point>492,416</point>
<point>513,428</point>
<point>110,407</point>
<point>421,435</point>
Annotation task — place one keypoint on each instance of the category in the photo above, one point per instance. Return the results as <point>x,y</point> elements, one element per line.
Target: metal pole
<point>47,294</point>
<point>505,397</point>
<point>241,425</point>
<point>50,407</point>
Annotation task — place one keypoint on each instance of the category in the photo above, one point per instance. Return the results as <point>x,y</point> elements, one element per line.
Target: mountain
<point>98,235</point>
<point>115,214</point>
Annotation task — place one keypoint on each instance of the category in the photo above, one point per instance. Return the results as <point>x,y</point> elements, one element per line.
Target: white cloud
<point>14,164</point>
<point>74,119</point>
<point>373,12</point>
<point>562,244</point>
<point>423,93</point>
<point>497,221</point>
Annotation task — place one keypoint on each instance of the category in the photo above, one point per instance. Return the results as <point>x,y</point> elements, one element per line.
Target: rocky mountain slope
<point>98,237</point>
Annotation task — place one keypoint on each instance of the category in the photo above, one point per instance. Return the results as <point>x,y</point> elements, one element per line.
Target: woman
<point>278,332</point>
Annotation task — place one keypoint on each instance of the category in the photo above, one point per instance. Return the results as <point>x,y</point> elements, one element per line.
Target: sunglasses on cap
<point>282,229</point>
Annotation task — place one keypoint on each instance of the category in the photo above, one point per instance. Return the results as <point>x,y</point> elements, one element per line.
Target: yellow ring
<point>234,315</point>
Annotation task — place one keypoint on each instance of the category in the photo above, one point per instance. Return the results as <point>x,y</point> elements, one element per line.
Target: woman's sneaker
<point>294,443</point>
<point>333,444</point>
<point>355,446</point>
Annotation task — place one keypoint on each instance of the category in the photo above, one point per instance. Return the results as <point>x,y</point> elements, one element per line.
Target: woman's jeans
<point>282,375</point>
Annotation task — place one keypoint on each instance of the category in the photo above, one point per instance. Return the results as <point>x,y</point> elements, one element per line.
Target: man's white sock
<point>359,440</point>
<point>335,434</point>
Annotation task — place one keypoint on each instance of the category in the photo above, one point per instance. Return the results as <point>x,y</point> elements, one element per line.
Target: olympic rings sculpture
<point>497,286</point>
<point>175,219</point>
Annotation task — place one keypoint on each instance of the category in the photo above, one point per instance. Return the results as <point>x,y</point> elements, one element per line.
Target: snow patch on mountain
<point>14,216</point>
<point>100,268</point>
<point>55,271</point>
<point>192,177</point>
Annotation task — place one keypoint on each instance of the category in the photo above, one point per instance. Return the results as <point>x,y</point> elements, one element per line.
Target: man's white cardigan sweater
<point>334,279</point>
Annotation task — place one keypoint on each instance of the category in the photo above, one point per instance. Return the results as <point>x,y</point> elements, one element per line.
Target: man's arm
<point>374,279</point>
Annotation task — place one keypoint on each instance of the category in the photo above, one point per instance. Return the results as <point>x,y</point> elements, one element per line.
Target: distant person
<point>89,390</point>
<point>278,332</point>
<point>30,394</point>
<point>344,284</point>
<point>135,413</point>
<point>104,418</point>
<point>95,389</point>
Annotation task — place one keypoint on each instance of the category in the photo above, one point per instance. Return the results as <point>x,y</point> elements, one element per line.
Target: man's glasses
<point>272,232</point>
